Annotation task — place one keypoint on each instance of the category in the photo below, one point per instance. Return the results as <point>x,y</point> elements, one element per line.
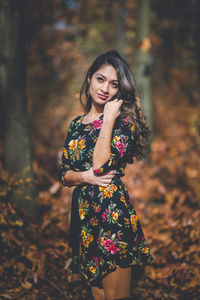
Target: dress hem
<point>98,282</point>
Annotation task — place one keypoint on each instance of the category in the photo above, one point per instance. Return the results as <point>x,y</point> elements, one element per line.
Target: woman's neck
<point>95,110</point>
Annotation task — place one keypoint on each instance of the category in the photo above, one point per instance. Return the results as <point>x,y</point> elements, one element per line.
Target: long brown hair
<point>131,107</point>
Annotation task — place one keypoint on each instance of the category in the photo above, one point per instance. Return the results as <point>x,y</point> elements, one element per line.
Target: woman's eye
<point>99,78</point>
<point>115,85</point>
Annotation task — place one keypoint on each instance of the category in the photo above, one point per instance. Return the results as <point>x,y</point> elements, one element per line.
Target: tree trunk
<point>18,160</point>
<point>119,27</point>
<point>143,67</point>
<point>196,14</point>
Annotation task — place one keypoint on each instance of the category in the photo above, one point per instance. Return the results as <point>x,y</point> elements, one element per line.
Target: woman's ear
<point>88,78</point>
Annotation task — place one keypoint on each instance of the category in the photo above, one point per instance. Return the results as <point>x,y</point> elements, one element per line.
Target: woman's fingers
<point>110,172</point>
<point>103,180</point>
<point>112,108</point>
<point>107,178</point>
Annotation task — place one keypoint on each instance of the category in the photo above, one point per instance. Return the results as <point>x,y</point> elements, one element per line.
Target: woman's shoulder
<point>75,121</point>
<point>125,123</point>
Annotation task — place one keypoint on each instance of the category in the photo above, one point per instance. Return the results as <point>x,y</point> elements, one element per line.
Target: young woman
<point>105,234</point>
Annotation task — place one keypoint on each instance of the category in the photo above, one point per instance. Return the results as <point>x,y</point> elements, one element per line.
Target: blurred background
<point>46,48</point>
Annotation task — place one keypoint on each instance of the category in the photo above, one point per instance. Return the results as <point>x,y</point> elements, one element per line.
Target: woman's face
<point>103,84</point>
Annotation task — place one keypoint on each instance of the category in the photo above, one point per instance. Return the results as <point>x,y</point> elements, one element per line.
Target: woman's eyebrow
<point>105,77</point>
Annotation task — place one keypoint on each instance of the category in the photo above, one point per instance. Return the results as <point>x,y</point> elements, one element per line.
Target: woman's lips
<point>102,96</point>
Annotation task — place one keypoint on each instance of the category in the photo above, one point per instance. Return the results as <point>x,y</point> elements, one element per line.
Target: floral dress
<point>105,231</point>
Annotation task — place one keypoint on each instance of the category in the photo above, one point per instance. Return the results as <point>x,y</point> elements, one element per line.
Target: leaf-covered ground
<point>35,258</point>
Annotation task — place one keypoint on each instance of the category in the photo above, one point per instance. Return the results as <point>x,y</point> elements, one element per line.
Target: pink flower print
<point>97,124</point>
<point>106,243</point>
<point>92,194</point>
<point>97,171</point>
<point>118,236</point>
<point>98,209</point>
<point>95,258</point>
<point>91,221</point>
<point>120,147</point>
<point>104,216</point>
<point>113,249</point>
<point>126,120</point>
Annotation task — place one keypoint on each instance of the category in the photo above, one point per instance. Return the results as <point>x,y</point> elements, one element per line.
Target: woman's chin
<point>100,103</point>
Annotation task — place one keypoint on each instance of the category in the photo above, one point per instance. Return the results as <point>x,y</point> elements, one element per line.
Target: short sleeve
<point>122,139</point>
<point>64,165</point>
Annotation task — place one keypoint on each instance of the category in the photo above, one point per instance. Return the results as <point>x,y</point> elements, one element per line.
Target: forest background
<point>45,50</point>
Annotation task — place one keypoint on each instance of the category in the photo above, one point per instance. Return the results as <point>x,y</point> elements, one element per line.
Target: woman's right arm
<point>74,178</point>
<point>69,177</point>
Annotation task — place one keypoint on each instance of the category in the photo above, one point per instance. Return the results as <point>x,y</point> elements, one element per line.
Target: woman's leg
<point>97,293</point>
<point>117,284</point>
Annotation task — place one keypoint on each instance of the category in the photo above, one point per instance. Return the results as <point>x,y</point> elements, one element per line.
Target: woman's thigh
<point>117,284</point>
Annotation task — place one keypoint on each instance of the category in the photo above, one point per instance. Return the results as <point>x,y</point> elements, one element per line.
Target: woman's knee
<point>98,297</point>
<point>98,294</point>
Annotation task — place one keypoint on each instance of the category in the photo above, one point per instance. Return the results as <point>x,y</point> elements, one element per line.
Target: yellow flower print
<point>101,241</point>
<point>65,153</point>
<point>81,144</point>
<point>87,239</point>
<point>113,187</point>
<point>133,127</point>
<point>115,215</point>
<point>110,162</point>
<point>145,250</point>
<point>122,198</point>
<point>83,208</point>
<point>83,233</point>
<point>116,139</point>
<point>108,194</point>
<point>134,219</point>
<point>73,144</point>
<point>92,269</point>
<point>101,188</point>
<point>81,213</point>
<point>108,191</point>
<point>85,243</point>
<point>127,222</point>
<point>123,248</point>
<point>90,237</point>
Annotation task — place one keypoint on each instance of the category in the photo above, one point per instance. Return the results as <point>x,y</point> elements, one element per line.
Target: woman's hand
<point>103,180</point>
<point>112,109</point>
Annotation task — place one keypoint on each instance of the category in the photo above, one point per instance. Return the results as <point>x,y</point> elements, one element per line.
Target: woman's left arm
<point>102,149</point>
<point>112,146</point>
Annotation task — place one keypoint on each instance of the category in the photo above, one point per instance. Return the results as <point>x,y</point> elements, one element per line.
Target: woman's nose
<point>105,87</point>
